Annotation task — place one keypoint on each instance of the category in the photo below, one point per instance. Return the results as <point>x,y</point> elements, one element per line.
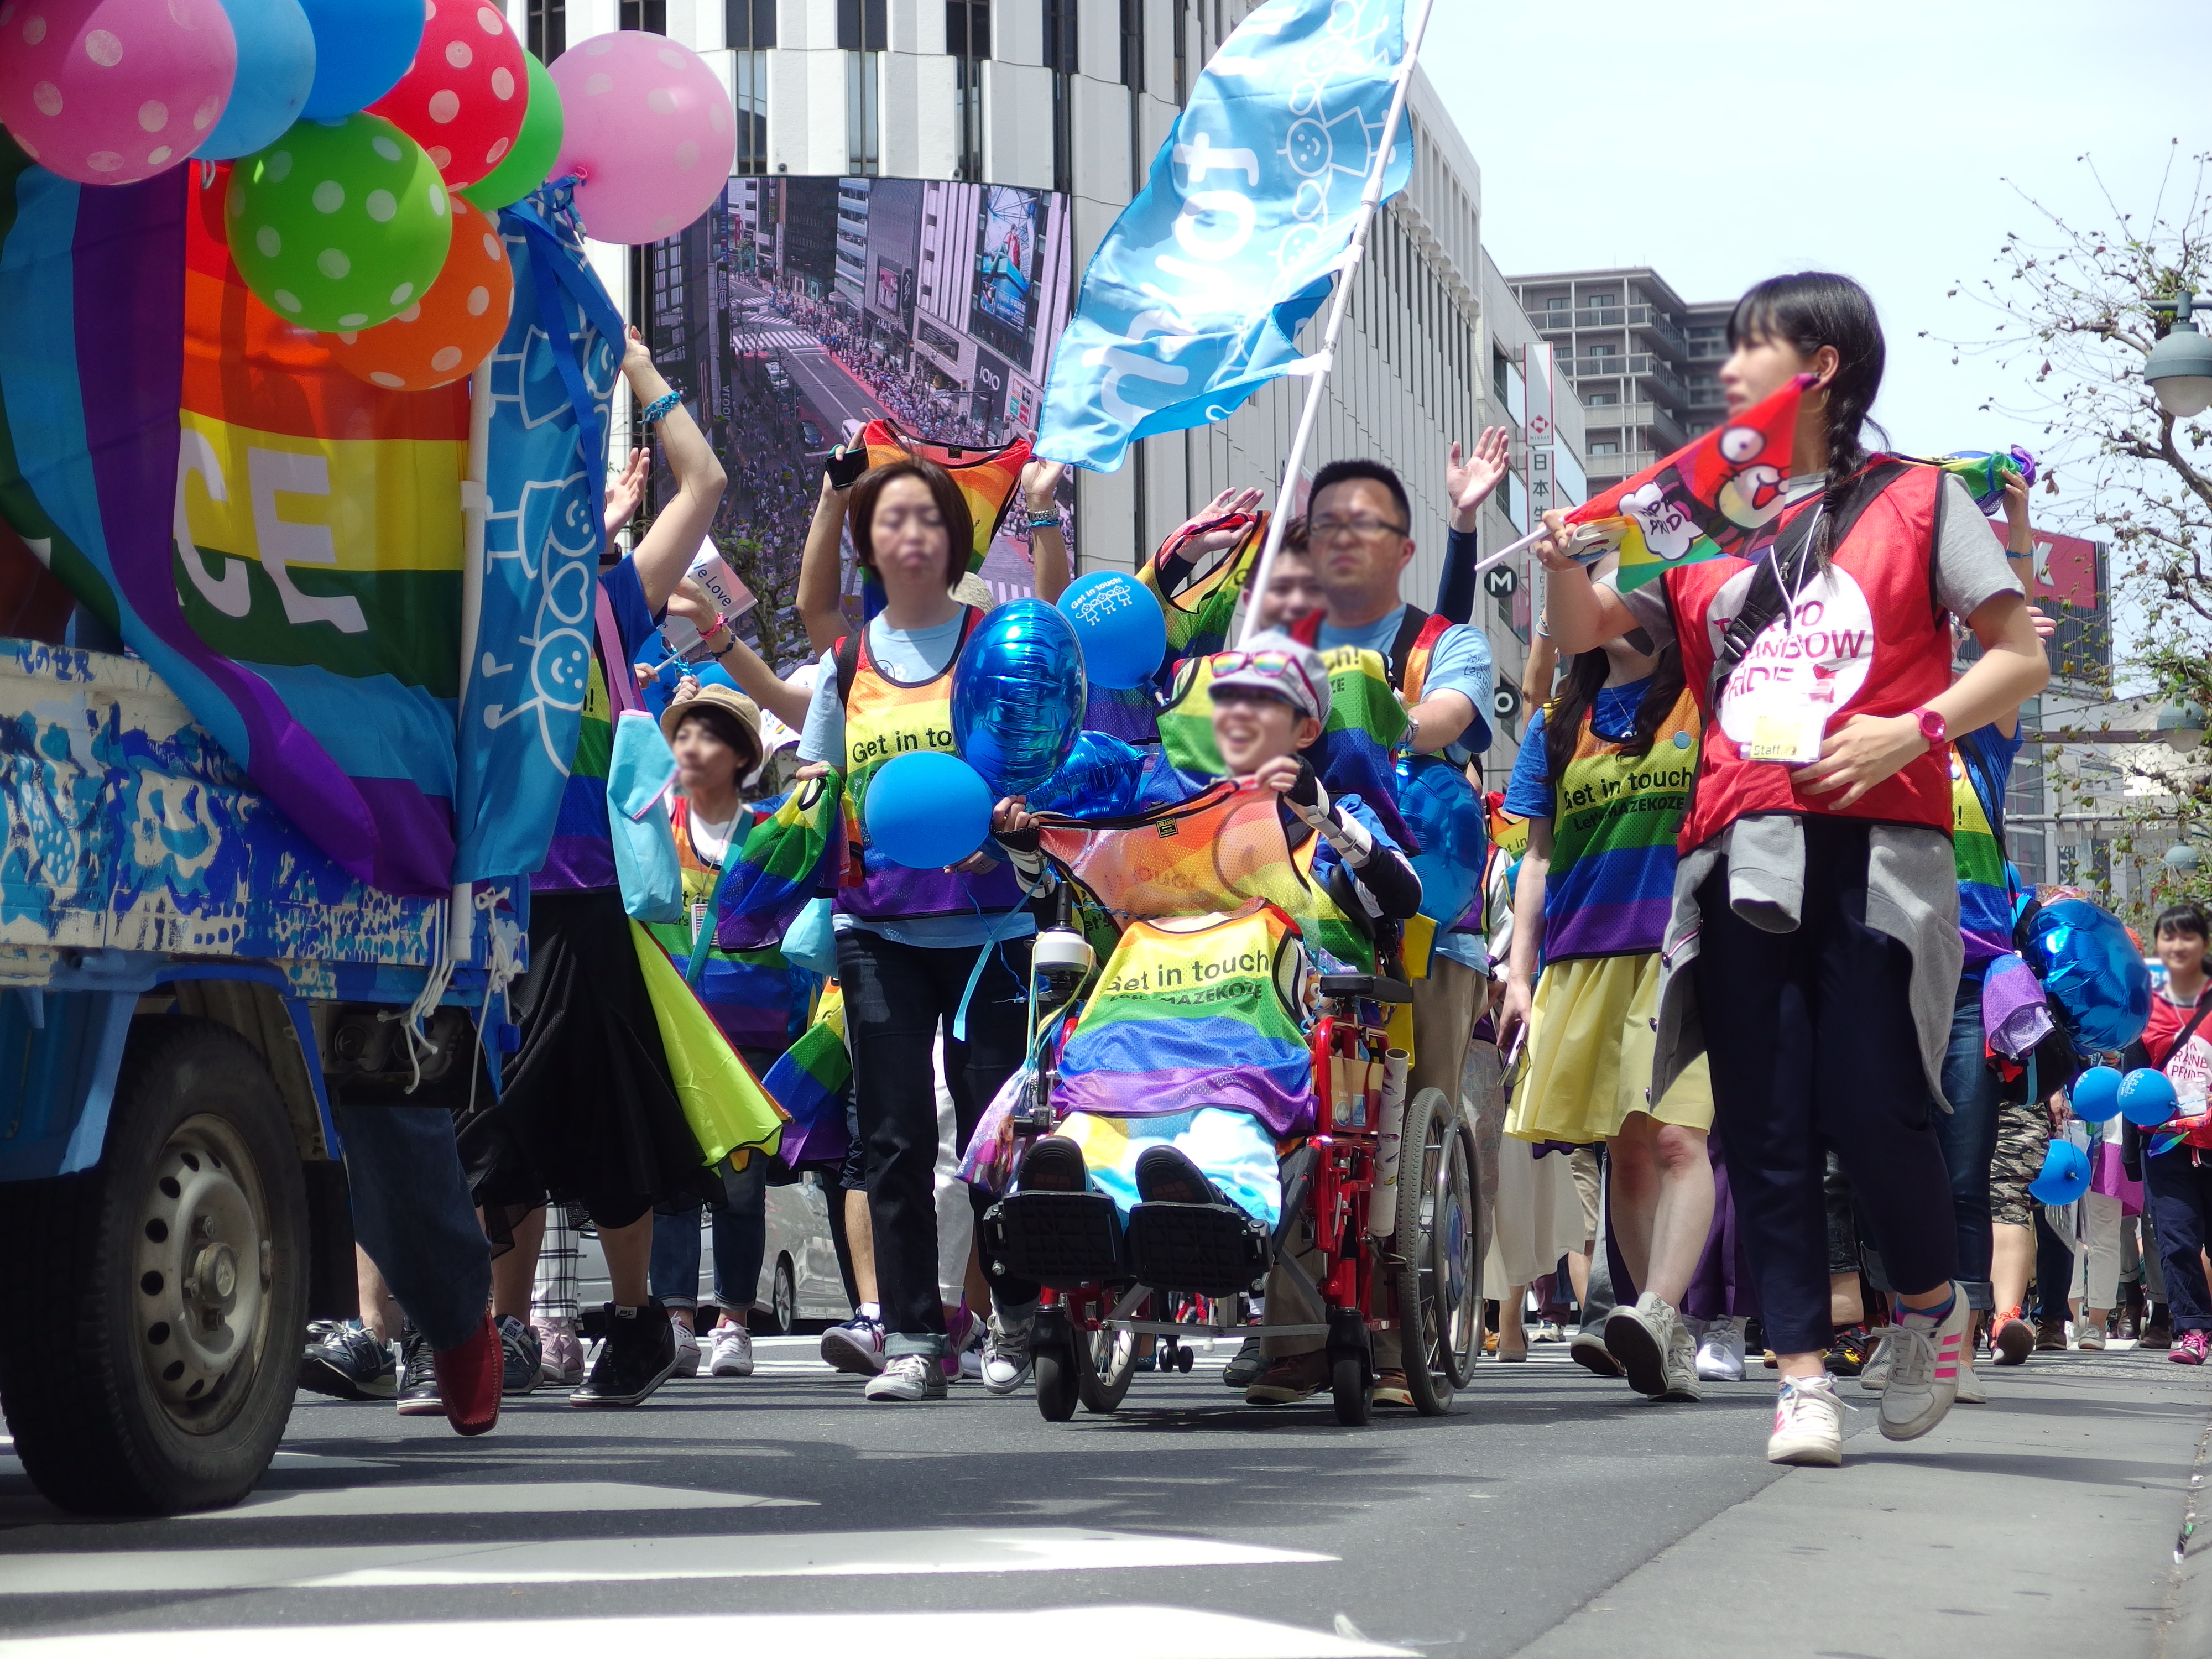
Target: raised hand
<point>626,492</point>
<point>1470,479</point>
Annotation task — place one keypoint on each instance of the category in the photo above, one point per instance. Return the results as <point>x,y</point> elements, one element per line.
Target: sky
<point>1873,139</point>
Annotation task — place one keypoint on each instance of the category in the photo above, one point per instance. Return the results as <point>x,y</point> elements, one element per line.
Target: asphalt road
<point>781,1514</point>
<point>831,395</point>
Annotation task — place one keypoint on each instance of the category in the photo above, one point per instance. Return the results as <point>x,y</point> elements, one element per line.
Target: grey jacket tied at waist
<point>1913,896</point>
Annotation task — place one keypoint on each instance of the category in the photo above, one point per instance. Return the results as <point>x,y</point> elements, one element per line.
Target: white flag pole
<point>1325,358</point>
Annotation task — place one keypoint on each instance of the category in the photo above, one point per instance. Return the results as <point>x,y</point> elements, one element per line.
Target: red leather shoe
<point>469,1381</point>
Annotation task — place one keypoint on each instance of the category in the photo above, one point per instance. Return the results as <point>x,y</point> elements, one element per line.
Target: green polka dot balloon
<point>338,225</point>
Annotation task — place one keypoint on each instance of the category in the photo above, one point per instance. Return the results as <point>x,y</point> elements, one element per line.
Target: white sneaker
<point>857,1346</point>
<point>732,1352</point>
<point>1681,1364</point>
<point>1640,1338</point>
<point>1006,1359</point>
<point>687,1349</point>
<point>1874,1376</point>
<point>1808,1423</point>
<point>1720,1353</point>
<point>1970,1391</point>
<point>1923,1371</point>
<point>907,1376</point>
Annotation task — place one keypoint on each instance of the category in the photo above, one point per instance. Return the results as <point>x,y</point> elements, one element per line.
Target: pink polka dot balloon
<point>650,135</point>
<point>109,92</point>
<point>464,96</point>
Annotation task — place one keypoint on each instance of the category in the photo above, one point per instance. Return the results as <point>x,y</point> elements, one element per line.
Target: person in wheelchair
<point>1190,1065</point>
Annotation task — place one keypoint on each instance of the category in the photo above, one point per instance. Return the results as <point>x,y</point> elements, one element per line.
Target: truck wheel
<point>150,1363</point>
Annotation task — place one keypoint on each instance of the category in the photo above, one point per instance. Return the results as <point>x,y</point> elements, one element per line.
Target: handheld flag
<point>1707,499</point>
<point>987,478</point>
<point>1195,296</point>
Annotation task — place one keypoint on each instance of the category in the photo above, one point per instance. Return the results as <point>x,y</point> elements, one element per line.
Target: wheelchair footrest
<point>1061,1239</point>
<point>1210,1250</point>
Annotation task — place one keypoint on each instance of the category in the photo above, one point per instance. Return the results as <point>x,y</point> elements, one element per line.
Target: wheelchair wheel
<point>1103,1362</point>
<point>1437,1272</point>
<point>1057,1388</point>
<point>1353,1392</point>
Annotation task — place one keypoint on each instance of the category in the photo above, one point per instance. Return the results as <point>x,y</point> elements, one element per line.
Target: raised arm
<point>1047,543</point>
<point>666,551</point>
<point>818,571</point>
<point>1581,615</point>
<point>743,665</point>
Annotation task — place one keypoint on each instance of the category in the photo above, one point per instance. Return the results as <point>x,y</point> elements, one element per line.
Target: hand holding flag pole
<point>1322,360</point>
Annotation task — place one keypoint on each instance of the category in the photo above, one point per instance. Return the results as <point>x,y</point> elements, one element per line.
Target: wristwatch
<point>1932,726</point>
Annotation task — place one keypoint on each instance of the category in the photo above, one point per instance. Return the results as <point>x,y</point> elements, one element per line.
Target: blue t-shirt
<point>909,655</point>
<point>1459,661</point>
<point>1613,717</point>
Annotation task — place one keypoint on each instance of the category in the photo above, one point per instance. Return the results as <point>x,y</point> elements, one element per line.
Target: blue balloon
<point>1101,778</point>
<point>276,67</point>
<point>2095,1095</point>
<point>1123,630</point>
<point>2147,1098</point>
<point>1018,696</point>
<point>361,48</point>
<point>928,810</point>
<point>2094,972</point>
<point>2065,1175</point>
<point>1453,827</point>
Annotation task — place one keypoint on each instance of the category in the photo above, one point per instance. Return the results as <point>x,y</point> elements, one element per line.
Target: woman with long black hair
<point>1813,951</point>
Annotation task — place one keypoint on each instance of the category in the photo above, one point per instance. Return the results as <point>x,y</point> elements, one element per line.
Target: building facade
<point>1075,97</point>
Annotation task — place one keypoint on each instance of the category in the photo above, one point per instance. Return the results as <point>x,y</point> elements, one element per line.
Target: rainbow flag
<point>296,581</point>
<point>1707,499</point>
<point>1197,595</point>
<point>787,857</point>
<point>987,479</point>
<point>809,1081</point>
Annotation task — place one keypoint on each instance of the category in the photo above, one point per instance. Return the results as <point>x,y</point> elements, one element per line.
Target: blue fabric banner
<point>1195,297</point>
<point>551,381</point>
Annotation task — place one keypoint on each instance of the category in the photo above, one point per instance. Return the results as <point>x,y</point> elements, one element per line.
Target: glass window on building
<point>1605,446</point>
<point>748,25</point>
<point>863,26</point>
<point>967,38</point>
<point>545,28</point>
<point>1062,57</point>
<point>651,16</point>
<point>863,112</point>
<point>1557,302</point>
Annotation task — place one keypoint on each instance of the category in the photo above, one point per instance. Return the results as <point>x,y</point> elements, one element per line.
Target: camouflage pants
<point>2023,1135</point>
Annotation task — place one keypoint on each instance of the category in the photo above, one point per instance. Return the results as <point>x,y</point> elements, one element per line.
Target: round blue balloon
<point>2094,972</point>
<point>361,48</point>
<point>2065,1175</point>
<point>1101,778</point>
<point>928,810</point>
<point>276,67</point>
<point>2147,1098</point>
<point>2095,1095</point>
<point>1018,696</point>
<point>1449,821</point>
<point>1123,631</point>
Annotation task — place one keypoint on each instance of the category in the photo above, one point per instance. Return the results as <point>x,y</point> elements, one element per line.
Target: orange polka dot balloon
<point>463,97</point>
<point>452,328</point>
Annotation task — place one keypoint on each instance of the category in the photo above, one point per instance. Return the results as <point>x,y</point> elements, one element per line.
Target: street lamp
<point>2182,727</point>
<point>2180,366</point>
<point>2181,860</point>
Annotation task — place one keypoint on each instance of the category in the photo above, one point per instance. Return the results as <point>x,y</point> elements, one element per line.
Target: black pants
<point>897,997</point>
<point>2178,1192</point>
<point>1813,1046</point>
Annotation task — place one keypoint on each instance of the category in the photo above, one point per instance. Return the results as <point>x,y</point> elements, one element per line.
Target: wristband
<point>1044,521</point>
<point>663,406</point>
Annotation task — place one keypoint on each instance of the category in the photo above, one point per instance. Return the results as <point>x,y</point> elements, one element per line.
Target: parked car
<point>799,1279</point>
<point>811,434</point>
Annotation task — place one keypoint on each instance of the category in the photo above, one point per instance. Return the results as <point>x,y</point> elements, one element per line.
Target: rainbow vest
<point>1183,1018</point>
<point>1611,886</point>
<point>883,720</point>
<point>1985,887</point>
<point>758,999</point>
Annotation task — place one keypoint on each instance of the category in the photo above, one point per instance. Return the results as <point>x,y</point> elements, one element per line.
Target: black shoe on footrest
<point>1166,1174</point>
<point>1057,1238</point>
<point>1054,1164</point>
<point>1208,1249</point>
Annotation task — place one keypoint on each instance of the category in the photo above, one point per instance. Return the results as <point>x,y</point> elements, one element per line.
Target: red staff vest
<point>1866,636</point>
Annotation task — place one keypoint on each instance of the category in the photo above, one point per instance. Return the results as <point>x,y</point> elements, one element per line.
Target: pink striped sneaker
<point>1923,1370</point>
<point>2189,1348</point>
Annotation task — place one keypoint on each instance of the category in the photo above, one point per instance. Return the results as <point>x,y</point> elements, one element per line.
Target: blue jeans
<point>1968,1136</point>
<point>740,1241</point>
<point>412,1213</point>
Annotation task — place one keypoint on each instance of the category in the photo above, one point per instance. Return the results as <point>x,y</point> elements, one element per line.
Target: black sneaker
<point>521,1361</point>
<point>418,1375</point>
<point>1166,1174</point>
<point>349,1364</point>
<point>1243,1370</point>
<point>638,1356</point>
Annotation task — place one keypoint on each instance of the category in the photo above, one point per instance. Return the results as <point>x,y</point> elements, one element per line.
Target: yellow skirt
<point>1590,1041</point>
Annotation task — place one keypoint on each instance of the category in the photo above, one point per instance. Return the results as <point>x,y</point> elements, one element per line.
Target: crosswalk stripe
<point>624,1560</point>
<point>1093,1632</point>
<point>516,1498</point>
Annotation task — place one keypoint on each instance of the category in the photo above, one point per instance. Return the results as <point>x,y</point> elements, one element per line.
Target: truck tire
<point>148,1365</point>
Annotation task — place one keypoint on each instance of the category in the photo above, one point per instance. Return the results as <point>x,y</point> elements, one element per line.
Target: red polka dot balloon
<point>464,96</point>
<point>450,330</point>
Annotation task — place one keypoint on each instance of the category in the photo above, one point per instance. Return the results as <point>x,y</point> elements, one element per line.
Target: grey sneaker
<point>1244,1368</point>
<point>1587,1350</point>
<point>1970,1391</point>
<point>1875,1377</point>
<point>1720,1351</point>
<point>1808,1423</point>
<point>907,1376</point>
<point>1005,1357</point>
<point>1681,1364</point>
<point>521,1360</point>
<point>1923,1372</point>
<point>1640,1338</point>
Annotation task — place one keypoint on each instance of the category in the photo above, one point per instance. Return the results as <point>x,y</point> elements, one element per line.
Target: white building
<point>1076,96</point>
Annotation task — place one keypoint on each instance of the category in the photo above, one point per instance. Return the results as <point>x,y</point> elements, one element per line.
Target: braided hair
<point>1810,310</point>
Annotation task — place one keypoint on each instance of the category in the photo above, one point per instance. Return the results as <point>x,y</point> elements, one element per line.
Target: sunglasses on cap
<point>1275,665</point>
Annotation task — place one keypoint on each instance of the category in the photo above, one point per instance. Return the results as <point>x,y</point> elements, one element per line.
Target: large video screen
<point>800,309</point>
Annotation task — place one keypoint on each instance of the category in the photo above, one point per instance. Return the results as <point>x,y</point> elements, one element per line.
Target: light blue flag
<point>1196,296</point>
<point>551,380</point>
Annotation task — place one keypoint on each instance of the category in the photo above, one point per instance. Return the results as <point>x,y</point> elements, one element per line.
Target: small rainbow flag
<point>809,1083</point>
<point>987,479</point>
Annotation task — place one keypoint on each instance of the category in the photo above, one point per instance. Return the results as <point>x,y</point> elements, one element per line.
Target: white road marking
<point>1095,1632</point>
<point>625,1560</point>
<point>515,1498</point>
